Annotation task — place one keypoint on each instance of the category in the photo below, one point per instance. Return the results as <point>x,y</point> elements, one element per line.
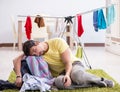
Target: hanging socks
<point>28,27</point>
<point>80,27</point>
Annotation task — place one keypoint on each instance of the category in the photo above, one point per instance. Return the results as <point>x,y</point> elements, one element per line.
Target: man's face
<point>37,50</point>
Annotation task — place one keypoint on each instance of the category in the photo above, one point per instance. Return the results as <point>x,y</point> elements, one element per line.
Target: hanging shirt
<point>95,20</point>
<point>80,27</point>
<point>40,21</point>
<point>28,27</point>
<point>110,15</point>
<point>101,20</point>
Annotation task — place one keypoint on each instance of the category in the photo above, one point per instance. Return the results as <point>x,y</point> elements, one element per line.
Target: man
<point>60,59</point>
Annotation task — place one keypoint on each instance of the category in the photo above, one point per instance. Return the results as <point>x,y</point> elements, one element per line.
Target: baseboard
<point>6,44</point>
<point>94,44</point>
<point>85,44</point>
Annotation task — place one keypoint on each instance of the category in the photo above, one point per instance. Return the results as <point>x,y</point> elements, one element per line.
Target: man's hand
<point>18,82</point>
<point>67,80</point>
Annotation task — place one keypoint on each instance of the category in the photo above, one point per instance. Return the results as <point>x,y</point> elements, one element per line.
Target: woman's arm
<point>68,66</point>
<point>17,69</point>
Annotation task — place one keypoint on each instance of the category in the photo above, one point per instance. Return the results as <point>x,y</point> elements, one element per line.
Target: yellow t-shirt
<point>53,56</point>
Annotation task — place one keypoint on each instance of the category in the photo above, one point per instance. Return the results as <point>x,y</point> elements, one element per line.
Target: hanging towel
<point>40,21</point>
<point>95,20</point>
<point>101,20</point>
<point>110,15</point>
<point>80,27</point>
<point>79,52</point>
<point>28,27</point>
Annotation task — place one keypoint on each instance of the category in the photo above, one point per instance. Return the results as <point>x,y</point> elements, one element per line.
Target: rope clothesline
<point>72,16</point>
<point>40,16</point>
<point>95,9</point>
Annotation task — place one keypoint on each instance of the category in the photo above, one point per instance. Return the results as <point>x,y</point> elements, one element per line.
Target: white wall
<point>52,8</point>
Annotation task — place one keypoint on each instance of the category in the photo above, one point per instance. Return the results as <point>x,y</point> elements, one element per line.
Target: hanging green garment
<point>79,52</point>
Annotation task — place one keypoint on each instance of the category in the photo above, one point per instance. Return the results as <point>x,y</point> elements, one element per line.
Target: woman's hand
<point>67,80</point>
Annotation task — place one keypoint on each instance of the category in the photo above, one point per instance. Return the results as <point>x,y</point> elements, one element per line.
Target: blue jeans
<point>24,67</point>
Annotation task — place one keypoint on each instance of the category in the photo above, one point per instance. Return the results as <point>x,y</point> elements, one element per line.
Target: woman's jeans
<point>79,77</point>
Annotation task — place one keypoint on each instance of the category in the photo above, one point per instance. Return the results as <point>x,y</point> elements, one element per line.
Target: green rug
<point>97,72</point>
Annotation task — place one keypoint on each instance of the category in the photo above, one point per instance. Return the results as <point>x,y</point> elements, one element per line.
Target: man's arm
<point>68,66</point>
<point>17,69</point>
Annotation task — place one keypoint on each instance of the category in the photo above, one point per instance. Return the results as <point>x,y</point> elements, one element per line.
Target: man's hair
<point>27,45</point>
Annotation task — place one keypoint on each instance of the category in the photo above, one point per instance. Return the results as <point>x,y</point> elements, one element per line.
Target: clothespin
<point>69,19</point>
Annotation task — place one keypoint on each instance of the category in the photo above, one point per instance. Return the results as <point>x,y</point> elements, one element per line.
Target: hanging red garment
<point>80,27</point>
<point>28,27</point>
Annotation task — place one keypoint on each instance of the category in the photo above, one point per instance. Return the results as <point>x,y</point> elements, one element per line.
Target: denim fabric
<point>80,78</point>
<point>24,67</point>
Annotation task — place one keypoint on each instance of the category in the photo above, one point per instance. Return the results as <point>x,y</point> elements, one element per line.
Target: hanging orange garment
<point>40,21</point>
<point>28,27</point>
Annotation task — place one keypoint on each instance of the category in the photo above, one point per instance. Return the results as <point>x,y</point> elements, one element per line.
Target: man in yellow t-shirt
<point>57,47</point>
<point>60,59</point>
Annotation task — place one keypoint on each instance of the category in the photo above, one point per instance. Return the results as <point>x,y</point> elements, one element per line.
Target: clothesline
<point>72,16</point>
<point>95,9</point>
<point>40,16</point>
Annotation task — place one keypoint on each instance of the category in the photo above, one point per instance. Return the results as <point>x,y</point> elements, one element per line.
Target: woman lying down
<point>64,70</point>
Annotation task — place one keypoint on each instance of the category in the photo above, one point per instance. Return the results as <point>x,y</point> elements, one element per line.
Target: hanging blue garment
<point>101,20</point>
<point>95,20</point>
<point>110,15</point>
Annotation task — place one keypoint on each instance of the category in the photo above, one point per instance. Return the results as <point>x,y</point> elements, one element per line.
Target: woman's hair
<point>27,45</point>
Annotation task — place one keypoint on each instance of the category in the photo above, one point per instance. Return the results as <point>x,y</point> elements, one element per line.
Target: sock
<point>80,27</point>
